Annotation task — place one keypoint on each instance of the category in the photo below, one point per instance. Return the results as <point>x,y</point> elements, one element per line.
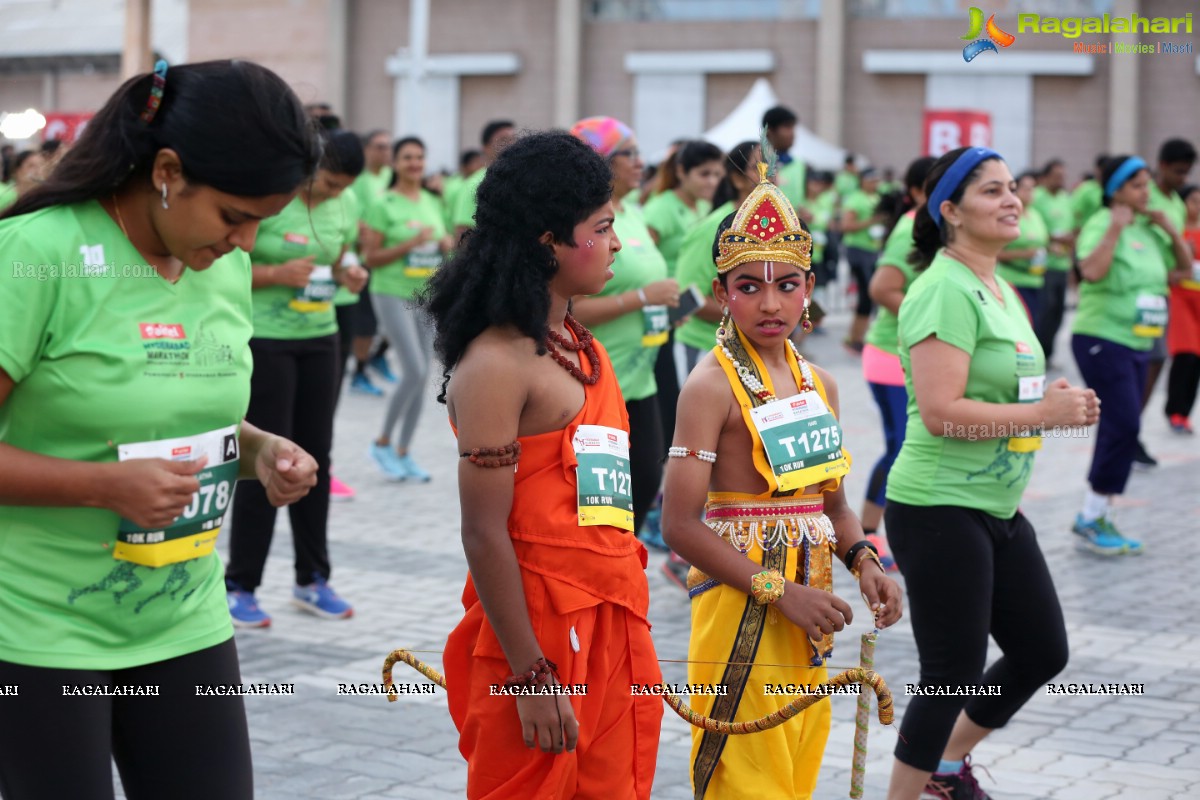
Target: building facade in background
<point>860,74</point>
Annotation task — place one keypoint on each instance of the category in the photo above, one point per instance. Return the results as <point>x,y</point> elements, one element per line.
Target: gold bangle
<point>871,555</point>
<point>767,586</point>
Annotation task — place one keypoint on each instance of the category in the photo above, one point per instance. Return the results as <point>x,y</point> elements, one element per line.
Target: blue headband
<point>954,177</point>
<point>1124,172</point>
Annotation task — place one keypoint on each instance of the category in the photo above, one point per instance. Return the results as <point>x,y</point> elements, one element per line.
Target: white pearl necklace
<point>754,385</point>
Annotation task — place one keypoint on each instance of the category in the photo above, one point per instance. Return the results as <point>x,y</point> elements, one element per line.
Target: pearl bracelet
<point>683,452</point>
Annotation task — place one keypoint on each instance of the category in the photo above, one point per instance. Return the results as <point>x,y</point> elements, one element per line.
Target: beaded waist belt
<point>769,523</point>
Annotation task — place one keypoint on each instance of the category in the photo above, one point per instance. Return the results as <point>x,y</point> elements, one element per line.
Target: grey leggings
<point>407,329</point>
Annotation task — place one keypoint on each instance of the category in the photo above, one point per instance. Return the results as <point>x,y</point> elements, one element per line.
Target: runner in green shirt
<point>404,242</point>
<point>630,315</point>
<point>1053,202</point>
<point>792,174</point>
<point>862,235</point>
<point>1023,261</point>
<point>27,170</point>
<point>297,267</point>
<point>496,134</point>
<point>469,163</point>
<point>686,188</point>
<point>1122,309</point>
<point>124,377</point>
<point>978,404</point>
<point>698,333</point>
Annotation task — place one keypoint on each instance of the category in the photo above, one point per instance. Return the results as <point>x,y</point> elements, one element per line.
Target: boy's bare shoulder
<point>497,358</point>
<point>706,385</point>
<point>824,376</point>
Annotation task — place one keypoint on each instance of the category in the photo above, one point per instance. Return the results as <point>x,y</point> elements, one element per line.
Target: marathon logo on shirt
<point>159,330</point>
<point>295,238</point>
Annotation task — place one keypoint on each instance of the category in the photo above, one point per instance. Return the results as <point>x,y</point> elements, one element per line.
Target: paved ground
<point>397,557</point>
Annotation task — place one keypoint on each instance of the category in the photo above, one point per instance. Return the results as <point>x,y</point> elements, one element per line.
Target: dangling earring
<point>806,323</point>
<point>164,195</point>
<point>723,330</point>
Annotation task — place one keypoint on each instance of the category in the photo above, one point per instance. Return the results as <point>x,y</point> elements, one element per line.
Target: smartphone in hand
<point>690,301</point>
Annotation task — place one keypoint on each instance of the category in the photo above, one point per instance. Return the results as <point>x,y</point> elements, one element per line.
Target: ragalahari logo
<point>995,36</point>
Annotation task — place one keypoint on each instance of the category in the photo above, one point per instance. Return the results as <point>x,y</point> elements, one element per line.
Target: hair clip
<point>156,92</point>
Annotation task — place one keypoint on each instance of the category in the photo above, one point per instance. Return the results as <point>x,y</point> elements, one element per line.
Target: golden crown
<point>765,228</point>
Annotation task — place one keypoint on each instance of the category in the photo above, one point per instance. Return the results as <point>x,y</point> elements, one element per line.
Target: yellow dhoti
<point>793,535</point>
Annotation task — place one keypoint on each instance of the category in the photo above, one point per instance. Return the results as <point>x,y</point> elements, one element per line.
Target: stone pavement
<point>397,557</point>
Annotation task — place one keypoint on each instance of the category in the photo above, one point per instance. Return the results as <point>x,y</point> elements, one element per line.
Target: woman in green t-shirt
<point>1122,311</point>
<point>629,316</point>
<point>862,226</point>
<point>124,377</point>
<point>977,406</point>
<point>403,243</point>
<point>1023,260</point>
<point>297,268</point>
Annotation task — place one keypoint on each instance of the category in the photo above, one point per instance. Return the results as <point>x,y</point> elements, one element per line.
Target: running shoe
<point>379,364</point>
<point>338,491</point>
<point>651,532</point>
<point>243,608</point>
<point>885,555</point>
<point>676,570</point>
<point>1181,424</point>
<point>361,384</point>
<point>413,470</point>
<point>959,785</point>
<point>389,461</point>
<point>1100,537</point>
<point>1143,459</point>
<point>319,598</point>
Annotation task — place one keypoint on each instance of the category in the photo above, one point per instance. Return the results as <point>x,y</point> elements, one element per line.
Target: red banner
<point>64,127</point>
<point>947,130</point>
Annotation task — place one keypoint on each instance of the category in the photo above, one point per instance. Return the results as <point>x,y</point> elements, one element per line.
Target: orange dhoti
<point>587,596</point>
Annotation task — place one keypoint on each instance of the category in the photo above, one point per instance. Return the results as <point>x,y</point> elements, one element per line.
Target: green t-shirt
<point>464,204</point>
<point>353,207</point>
<point>883,332</point>
<point>846,183</point>
<point>630,338</point>
<point>1059,218</point>
<point>952,303</point>
<point>696,268</point>
<point>1176,210</point>
<point>370,186</point>
<point>671,219</point>
<point>1122,306</point>
<point>106,353</point>
<point>285,312</point>
<point>399,219</point>
<point>823,208</point>
<point>1028,273</point>
<point>1087,199</point>
<point>451,187</point>
<point>863,207</point>
<point>791,178</point>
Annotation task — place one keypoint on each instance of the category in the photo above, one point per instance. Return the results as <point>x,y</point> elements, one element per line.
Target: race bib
<point>819,238</point>
<point>1037,264</point>
<point>603,479</point>
<point>1151,319</point>
<point>802,439</point>
<point>876,232</point>
<point>318,294</point>
<point>656,326</point>
<point>1030,388</point>
<point>1194,283</point>
<point>422,261</point>
<point>195,533</point>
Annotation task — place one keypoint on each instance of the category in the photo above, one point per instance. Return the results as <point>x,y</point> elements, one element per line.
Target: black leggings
<point>175,745</point>
<point>969,573</point>
<point>1182,382</point>
<point>862,267</point>
<point>646,451</point>
<point>291,394</point>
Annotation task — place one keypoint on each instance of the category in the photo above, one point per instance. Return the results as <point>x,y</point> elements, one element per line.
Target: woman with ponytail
<point>124,378</point>
<point>977,407</point>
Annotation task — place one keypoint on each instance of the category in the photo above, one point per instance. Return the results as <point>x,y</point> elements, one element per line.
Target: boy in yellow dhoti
<point>758,453</point>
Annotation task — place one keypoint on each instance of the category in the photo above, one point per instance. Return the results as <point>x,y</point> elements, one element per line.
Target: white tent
<point>745,122</point>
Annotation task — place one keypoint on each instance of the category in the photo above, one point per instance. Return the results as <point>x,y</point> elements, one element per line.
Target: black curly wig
<point>500,273</point>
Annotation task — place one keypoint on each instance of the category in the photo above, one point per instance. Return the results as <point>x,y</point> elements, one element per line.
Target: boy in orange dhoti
<point>758,455</point>
<point>557,596</point>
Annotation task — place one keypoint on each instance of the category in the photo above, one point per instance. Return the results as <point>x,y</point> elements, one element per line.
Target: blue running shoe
<point>413,470</point>
<point>1132,546</point>
<point>651,532</point>
<point>361,384</point>
<point>243,608</point>
<point>1099,537</point>
<point>388,461</point>
<point>379,364</point>
<point>319,598</point>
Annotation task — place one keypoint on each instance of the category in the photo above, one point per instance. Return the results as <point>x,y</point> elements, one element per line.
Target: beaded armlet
<point>506,456</point>
<point>683,452</point>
